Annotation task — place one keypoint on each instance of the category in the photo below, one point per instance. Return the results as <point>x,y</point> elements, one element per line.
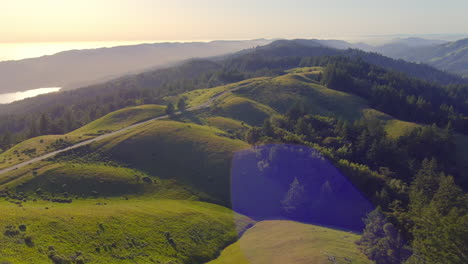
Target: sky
<point>132,20</point>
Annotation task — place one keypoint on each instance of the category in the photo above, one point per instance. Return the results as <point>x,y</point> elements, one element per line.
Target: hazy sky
<point>105,20</point>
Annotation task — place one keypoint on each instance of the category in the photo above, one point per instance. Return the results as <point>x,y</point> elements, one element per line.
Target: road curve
<point>206,104</point>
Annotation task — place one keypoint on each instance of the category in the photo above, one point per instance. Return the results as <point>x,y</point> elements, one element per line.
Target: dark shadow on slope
<point>296,183</point>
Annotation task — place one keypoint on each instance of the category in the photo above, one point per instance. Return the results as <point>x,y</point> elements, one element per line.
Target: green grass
<point>86,179</point>
<point>226,124</point>
<point>199,156</point>
<point>280,93</point>
<point>93,180</point>
<point>243,109</point>
<point>200,96</point>
<point>120,119</point>
<point>28,149</point>
<point>396,128</point>
<point>196,157</point>
<point>38,146</point>
<point>117,231</point>
<point>271,242</point>
<point>314,69</point>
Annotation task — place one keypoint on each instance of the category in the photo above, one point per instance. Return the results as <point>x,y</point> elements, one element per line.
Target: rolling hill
<point>116,231</point>
<point>38,146</point>
<point>271,242</point>
<point>143,194</point>
<point>213,135</point>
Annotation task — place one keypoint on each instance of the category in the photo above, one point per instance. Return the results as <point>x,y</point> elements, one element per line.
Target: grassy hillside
<point>81,179</point>
<point>282,92</point>
<point>31,148</point>
<point>199,156</point>
<point>271,242</point>
<point>243,109</point>
<point>116,231</point>
<point>37,146</point>
<point>226,124</point>
<point>120,119</point>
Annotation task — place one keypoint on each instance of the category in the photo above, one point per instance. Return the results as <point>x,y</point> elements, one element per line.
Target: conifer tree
<point>424,185</point>
<point>182,104</point>
<point>170,109</point>
<point>294,202</point>
<point>381,242</point>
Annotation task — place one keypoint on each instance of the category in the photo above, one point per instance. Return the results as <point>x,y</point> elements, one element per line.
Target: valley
<point>286,153</point>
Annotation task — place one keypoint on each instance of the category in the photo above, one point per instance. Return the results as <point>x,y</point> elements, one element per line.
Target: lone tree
<point>294,202</point>
<point>182,104</point>
<point>170,109</point>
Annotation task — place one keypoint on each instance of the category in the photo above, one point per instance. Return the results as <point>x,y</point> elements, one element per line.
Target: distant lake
<point>11,97</point>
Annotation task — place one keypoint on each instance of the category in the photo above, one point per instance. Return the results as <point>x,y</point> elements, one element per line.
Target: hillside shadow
<point>295,183</point>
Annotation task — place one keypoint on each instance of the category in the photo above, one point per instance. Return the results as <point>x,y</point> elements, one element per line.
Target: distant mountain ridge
<point>452,56</point>
<point>315,48</point>
<point>77,68</point>
<point>446,56</point>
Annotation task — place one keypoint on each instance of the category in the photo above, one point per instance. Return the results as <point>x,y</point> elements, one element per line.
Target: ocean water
<point>11,97</point>
<point>18,51</point>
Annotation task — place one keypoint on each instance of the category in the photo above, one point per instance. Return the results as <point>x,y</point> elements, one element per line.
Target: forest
<point>414,180</point>
<point>421,214</point>
<point>437,97</point>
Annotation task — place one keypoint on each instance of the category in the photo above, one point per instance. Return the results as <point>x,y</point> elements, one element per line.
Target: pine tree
<point>380,240</point>
<point>424,185</point>
<point>182,104</point>
<point>295,112</point>
<point>372,155</point>
<point>448,196</point>
<point>170,109</point>
<point>439,238</point>
<point>302,128</point>
<point>44,125</point>
<point>294,202</point>
<point>253,135</point>
<point>268,129</point>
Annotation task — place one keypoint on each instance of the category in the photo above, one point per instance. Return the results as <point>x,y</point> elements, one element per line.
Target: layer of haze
<point>130,20</point>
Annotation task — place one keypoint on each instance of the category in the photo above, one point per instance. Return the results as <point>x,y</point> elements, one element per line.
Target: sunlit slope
<point>278,242</point>
<point>116,231</point>
<point>120,119</point>
<point>243,109</point>
<point>197,155</point>
<point>227,124</point>
<point>259,98</point>
<point>195,158</point>
<point>38,146</point>
<point>280,93</point>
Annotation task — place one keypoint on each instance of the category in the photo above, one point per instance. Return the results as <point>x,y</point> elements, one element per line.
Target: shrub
<point>28,240</point>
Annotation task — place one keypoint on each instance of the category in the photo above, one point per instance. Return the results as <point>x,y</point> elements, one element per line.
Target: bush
<point>28,240</point>
<point>22,228</point>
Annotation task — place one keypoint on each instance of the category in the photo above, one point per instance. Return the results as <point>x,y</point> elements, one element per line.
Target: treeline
<point>63,112</point>
<point>404,97</point>
<point>422,214</point>
<point>395,93</point>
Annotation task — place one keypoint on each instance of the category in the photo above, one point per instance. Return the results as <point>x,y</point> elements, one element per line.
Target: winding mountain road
<point>206,104</point>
